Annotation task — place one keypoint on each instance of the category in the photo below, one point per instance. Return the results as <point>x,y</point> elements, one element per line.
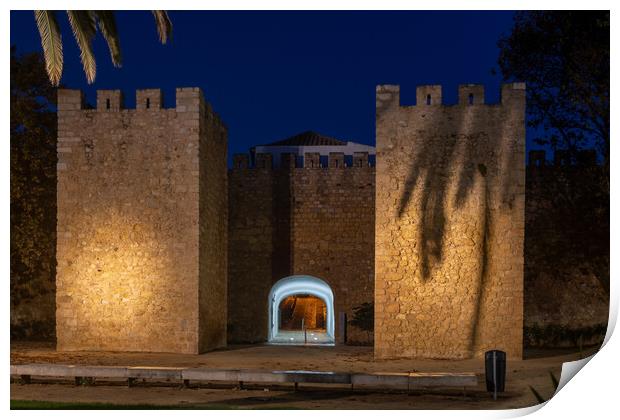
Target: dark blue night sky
<point>274,74</point>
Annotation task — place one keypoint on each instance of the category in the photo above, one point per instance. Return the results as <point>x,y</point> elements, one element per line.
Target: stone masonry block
<point>149,99</point>
<point>428,95</point>
<point>109,100</point>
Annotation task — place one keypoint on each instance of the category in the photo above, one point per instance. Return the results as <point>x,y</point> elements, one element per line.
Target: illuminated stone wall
<point>135,208</point>
<point>333,236</point>
<point>449,224</point>
<point>292,221</point>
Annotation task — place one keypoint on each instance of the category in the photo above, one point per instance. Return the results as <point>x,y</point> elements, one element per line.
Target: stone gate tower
<point>142,224</point>
<point>449,226</point>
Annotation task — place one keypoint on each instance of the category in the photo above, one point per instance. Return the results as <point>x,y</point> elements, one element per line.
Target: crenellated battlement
<point>310,160</point>
<point>388,96</point>
<point>188,100</point>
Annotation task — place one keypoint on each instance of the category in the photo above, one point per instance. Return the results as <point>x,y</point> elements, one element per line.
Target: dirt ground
<point>533,371</point>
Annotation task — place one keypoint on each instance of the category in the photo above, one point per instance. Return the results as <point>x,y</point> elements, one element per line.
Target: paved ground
<point>294,337</point>
<point>533,371</point>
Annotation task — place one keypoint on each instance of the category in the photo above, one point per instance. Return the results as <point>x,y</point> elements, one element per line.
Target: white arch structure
<point>297,285</point>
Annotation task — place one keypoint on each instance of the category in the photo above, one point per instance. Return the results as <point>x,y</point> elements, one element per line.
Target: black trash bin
<point>495,369</point>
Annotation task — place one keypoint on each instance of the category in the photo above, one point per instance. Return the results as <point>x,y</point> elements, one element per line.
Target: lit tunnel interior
<point>300,312</point>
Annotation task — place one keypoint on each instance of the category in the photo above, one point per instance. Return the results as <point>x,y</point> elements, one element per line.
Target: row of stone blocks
<point>311,160</point>
<point>429,95</point>
<point>384,380</point>
<point>146,99</point>
<point>152,99</point>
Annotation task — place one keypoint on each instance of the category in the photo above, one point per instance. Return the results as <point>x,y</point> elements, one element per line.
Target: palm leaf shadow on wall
<point>448,166</point>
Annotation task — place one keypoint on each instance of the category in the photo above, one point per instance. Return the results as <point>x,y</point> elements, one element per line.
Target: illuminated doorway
<point>301,311</point>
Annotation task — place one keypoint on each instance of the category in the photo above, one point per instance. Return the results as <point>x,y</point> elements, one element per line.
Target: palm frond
<point>83,25</point>
<point>107,24</point>
<point>164,25</point>
<point>51,42</point>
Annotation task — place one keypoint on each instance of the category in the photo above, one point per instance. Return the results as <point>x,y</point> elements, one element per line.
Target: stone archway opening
<point>301,312</point>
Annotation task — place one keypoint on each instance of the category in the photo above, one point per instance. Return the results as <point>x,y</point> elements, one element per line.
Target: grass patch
<point>52,405</point>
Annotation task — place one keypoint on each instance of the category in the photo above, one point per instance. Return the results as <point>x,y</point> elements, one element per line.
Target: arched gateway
<point>302,288</point>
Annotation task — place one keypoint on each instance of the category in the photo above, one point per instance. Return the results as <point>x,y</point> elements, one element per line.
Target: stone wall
<point>449,224</point>
<point>213,232</point>
<point>292,221</point>
<point>143,205</point>
<point>133,268</point>
<point>566,251</point>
